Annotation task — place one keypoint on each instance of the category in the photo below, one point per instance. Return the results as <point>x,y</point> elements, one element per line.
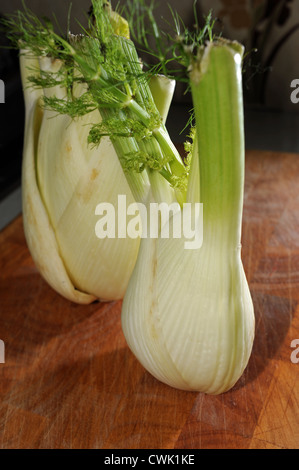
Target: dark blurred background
<point>269,29</point>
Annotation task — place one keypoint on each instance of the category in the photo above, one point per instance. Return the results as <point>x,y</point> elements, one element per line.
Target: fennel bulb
<point>67,175</point>
<point>63,180</point>
<point>187,315</point>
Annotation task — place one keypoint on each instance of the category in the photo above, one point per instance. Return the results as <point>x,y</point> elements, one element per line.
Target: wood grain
<point>70,381</point>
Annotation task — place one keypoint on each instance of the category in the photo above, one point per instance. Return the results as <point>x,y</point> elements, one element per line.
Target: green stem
<point>140,106</point>
<point>161,190</point>
<point>168,147</point>
<point>193,190</point>
<point>144,105</point>
<point>138,182</point>
<point>162,137</point>
<point>216,84</point>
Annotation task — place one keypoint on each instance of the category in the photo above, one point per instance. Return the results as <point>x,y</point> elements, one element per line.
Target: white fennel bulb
<point>187,314</point>
<point>64,179</point>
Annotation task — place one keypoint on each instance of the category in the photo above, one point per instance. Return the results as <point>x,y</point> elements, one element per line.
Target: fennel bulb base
<point>188,315</point>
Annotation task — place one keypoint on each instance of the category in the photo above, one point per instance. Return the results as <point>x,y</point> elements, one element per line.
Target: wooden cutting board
<point>70,381</point>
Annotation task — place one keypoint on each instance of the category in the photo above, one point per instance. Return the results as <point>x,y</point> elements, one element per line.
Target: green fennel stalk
<point>216,86</point>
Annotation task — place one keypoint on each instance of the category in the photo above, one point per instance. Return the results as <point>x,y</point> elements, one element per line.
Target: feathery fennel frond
<point>174,47</point>
<point>109,66</point>
<point>74,108</point>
